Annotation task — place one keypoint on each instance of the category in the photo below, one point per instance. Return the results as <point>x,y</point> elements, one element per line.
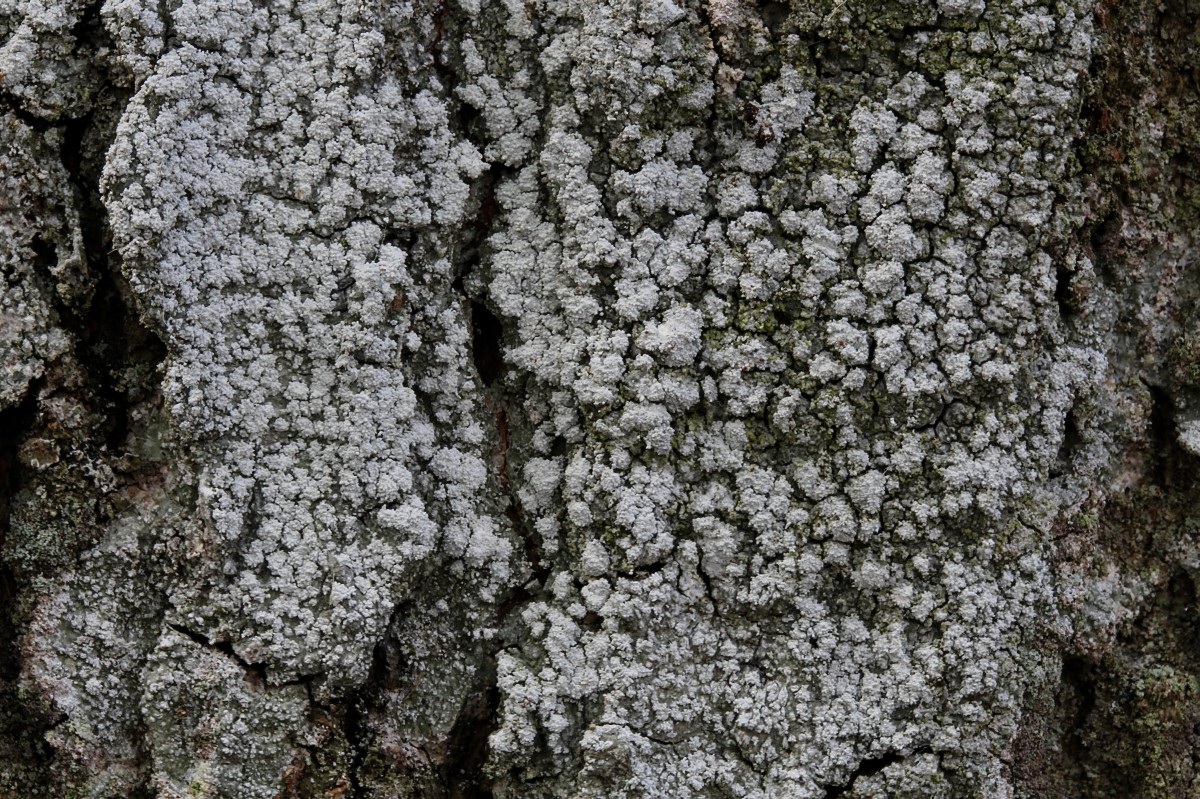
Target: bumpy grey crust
<point>619,398</point>
<point>799,300</point>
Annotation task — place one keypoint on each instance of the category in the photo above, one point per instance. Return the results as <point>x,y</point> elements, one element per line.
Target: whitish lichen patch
<point>795,483</point>
<point>618,398</point>
<point>335,427</point>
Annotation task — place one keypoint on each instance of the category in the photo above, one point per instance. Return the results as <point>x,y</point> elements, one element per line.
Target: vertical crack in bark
<point>1063,295</point>
<point>97,393</point>
<point>457,764</point>
<point>111,339</point>
<point>1161,436</point>
<point>1077,676</point>
<point>386,666</point>
<point>15,424</point>
<point>486,335</point>
<point>462,769</point>
<point>1072,442</point>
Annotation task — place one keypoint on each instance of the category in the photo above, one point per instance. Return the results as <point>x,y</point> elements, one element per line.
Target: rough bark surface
<point>599,398</point>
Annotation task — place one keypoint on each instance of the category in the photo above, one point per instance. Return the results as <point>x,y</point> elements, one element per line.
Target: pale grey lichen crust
<point>786,379</point>
<point>794,319</point>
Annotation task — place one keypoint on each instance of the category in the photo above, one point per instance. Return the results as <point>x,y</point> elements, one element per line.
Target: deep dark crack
<point>15,424</point>
<point>462,770</point>
<point>1162,434</point>
<point>487,334</point>
<point>255,672</point>
<point>869,767</point>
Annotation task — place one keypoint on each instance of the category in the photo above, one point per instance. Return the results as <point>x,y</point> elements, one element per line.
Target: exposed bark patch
<point>77,476</point>
<point>1050,753</point>
<point>1122,721</point>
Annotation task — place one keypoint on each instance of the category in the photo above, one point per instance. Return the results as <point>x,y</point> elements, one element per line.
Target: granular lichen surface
<point>609,398</point>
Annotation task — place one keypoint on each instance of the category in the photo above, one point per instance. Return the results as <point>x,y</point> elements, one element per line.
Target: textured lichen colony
<point>539,399</point>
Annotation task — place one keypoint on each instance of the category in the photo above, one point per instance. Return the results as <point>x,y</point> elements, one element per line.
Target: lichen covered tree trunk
<point>599,398</point>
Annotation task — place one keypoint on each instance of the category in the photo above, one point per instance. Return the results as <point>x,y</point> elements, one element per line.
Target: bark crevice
<point>869,767</point>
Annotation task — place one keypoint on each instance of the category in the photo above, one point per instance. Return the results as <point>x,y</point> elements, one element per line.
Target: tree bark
<point>592,399</point>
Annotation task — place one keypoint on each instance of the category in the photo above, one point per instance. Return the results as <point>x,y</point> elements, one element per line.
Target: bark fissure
<point>462,769</point>
<point>16,422</point>
<point>256,672</point>
<point>869,767</point>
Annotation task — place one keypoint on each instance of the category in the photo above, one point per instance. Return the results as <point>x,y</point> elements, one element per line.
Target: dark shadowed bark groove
<point>25,755</point>
<point>72,450</point>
